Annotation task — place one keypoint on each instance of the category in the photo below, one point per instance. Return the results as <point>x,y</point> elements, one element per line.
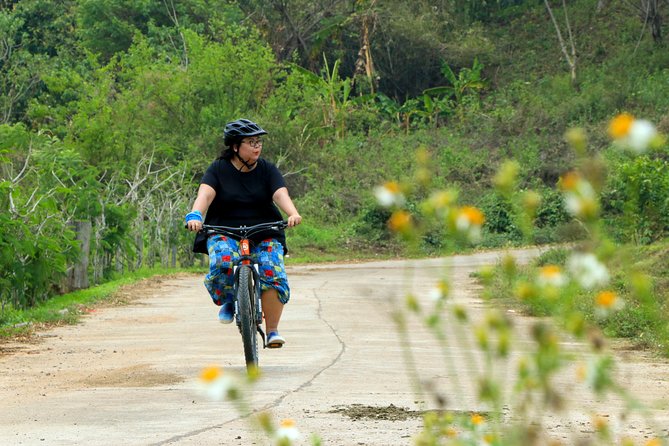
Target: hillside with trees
<point>110,110</point>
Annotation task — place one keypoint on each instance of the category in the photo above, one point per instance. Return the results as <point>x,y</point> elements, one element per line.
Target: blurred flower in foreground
<point>400,221</point>
<point>599,422</point>
<point>587,270</point>
<point>531,201</point>
<point>477,419</point>
<point>440,203</point>
<point>469,221</point>
<point>439,291</point>
<point>390,194</point>
<point>599,374</point>
<point>605,426</point>
<point>287,433</point>
<point>636,134</point>
<point>451,432</point>
<point>507,176</point>
<point>607,302</point>
<point>215,385</point>
<point>580,198</point>
<point>524,290</point>
<point>551,275</point>
<point>577,138</point>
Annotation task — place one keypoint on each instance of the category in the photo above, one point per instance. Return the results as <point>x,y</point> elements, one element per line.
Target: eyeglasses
<point>255,143</point>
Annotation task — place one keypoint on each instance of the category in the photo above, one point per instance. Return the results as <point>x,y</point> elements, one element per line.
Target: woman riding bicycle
<point>240,188</point>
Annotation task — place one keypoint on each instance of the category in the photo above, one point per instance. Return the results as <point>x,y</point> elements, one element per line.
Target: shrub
<point>636,199</point>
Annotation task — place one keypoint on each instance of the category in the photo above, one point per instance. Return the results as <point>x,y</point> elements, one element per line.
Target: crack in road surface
<point>277,401</point>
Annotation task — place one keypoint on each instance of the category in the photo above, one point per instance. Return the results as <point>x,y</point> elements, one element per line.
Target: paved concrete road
<point>127,374</point>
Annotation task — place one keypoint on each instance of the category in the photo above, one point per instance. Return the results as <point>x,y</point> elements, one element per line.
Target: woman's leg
<point>220,280</point>
<point>273,282</point>
<point>272,308</point>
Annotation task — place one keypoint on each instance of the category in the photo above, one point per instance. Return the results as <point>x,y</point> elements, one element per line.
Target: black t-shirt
<point>243,198</point>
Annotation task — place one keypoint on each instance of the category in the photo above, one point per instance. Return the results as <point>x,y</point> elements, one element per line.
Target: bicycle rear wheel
<point>246,308</point>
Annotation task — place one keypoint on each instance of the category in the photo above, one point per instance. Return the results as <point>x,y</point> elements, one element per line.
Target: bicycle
<point>247,300</point>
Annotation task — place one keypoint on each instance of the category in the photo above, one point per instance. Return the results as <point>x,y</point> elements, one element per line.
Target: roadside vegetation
<point>640,299</point>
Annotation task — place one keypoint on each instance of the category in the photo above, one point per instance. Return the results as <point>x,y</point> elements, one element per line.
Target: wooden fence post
<point>78,274</point>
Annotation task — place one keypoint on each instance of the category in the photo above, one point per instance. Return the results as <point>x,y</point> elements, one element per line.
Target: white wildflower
<point>551,275</point>
<point>214,384</point>
<point>287,432</point>
<point>587,270</point>
<point>389,195</point>
<point>641,135</point>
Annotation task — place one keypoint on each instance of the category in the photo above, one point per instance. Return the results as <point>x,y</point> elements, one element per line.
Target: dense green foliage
<point>110,110</point>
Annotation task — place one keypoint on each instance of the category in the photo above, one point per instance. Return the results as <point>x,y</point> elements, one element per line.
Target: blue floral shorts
<point>224,254</point>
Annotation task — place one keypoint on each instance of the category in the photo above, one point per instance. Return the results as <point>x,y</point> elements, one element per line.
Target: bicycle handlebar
<point>244,231</point>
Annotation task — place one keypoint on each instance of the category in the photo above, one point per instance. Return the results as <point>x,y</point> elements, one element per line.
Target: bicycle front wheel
<point>246,306</point>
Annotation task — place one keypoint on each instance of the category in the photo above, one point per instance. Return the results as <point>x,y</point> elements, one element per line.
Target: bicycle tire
<point>246,308</point>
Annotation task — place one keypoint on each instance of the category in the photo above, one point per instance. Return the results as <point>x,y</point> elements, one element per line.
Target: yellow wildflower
<point>600,423</point>
<point>607,302</point>
<point>287,432</point>
<point>620,126</point>
<point>472,215</point>
<point>579,196</point>
<point>400,221</point>
<point>635,134</point>
<point>468,221</point>
<point>451,432</point>
<point>606,299</point>
<point>215,385</point>
<point>477,419</point>
<point>551,275</point>
<point>392,187</point>
<point>569,181</point>
<point>210,374</point>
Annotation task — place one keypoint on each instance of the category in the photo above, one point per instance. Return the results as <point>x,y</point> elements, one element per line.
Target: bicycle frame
<point>246,261</point>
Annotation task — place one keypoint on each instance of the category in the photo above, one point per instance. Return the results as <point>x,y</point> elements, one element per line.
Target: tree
<point>19,80</point>
<point>649,11</point>
<point>107,27</point>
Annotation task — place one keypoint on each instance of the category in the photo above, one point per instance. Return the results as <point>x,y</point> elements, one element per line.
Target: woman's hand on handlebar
<point>194,221</point>
<point>294,220</point>
<point>194,225</point>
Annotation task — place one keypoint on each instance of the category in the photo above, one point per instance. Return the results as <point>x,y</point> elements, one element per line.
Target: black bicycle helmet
<point>241,128</point>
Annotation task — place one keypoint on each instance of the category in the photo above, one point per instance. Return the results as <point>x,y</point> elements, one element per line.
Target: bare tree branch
<point>172,12</point>
<point>296,172</point>
<point>571,59</point>
<point>25,165</point>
